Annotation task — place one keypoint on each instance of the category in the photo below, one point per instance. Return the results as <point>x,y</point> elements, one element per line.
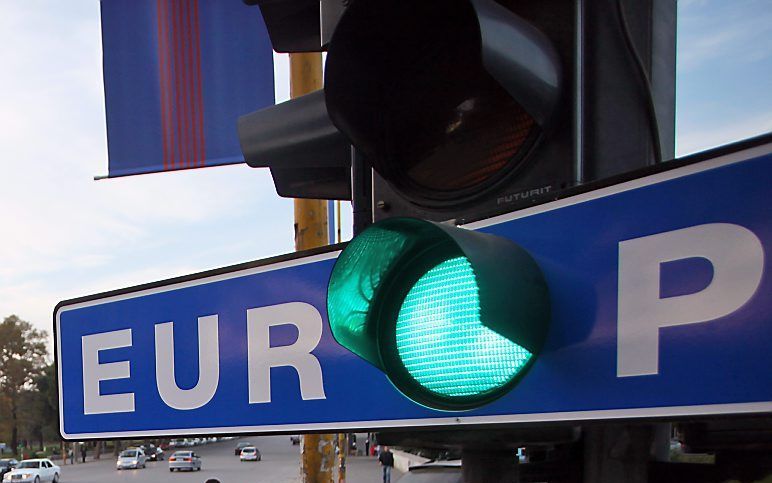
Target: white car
<point>250,453</point>
<point>34,471</point>
<point>184,460</point>
<point>133,458</point>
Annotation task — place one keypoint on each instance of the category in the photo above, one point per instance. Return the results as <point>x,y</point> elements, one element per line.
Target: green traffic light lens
<point>453,317</point>
<point>442,341</point>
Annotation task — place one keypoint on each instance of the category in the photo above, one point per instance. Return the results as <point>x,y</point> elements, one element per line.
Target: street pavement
<point>280,464</point>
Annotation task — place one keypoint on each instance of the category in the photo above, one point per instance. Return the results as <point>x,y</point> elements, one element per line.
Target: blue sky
<point>724,73</point>
<point>65,235</point>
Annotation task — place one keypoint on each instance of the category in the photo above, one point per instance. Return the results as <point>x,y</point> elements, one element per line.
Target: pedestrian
<point>83,452</point>
<point>367,445</point>
<point>386,458</point>
<point>71,454</point>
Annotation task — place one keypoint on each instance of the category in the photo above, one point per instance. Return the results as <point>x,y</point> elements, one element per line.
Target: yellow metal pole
<point>337,211</point>
<point>317,453</point>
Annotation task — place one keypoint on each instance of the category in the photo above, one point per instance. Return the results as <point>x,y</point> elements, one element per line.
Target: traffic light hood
<point>308,156</point>
<point>453,317</point>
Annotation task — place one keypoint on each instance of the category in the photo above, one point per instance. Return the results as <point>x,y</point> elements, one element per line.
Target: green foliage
<point>22,355</point>
<point>22,361</point>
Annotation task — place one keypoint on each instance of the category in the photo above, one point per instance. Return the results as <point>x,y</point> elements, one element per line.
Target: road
<point>280,464</point>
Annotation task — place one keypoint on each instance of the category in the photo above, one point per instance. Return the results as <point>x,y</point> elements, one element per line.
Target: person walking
<point>83,452</point>
<point>386,458</point>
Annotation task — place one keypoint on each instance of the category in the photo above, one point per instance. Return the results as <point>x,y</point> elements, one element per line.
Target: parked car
<point>250,453</point>
<point>184,460</point>
<point>435,472</point>
<point>241,446</point>
<point>34,471</point>
<point>7,465</point>
<point>133,458</point>
<point>180,443</point>
<point>295,439</point>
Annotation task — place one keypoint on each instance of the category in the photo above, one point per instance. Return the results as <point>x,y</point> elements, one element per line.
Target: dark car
<point>7,465</point>
<point>435,472</point>
<point>241,446</point>
<point>153,452</point>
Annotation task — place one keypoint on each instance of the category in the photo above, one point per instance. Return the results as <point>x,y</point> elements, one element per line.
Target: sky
<point>64,235</point>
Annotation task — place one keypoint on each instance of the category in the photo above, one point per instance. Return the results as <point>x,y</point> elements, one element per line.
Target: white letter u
<point>208,365</point>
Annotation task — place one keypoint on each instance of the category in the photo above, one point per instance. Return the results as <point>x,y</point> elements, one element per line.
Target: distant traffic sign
<point>659,292</point>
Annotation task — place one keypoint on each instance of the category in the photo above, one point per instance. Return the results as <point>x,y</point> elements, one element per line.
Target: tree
<point>22,359</point>
<point>45,405</point>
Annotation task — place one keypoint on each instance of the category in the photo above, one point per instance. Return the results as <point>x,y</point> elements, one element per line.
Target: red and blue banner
<point>177,75</point>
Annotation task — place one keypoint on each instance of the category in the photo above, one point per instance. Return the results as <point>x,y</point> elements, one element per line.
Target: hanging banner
<point>177,75</point>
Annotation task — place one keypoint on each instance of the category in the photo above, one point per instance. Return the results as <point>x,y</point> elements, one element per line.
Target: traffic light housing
<point>293,25</point>
<point>453,317</point>
<point>447,100</point>
<point>307,155</point>
<point>471,108</point>
<point>452,101</point>
<point>467,109</point>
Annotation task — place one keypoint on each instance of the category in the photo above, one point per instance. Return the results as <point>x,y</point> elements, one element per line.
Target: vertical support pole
<point>317,452</point>
<point>361,191</point>
<point>339,237</point>
<point>342,452</point>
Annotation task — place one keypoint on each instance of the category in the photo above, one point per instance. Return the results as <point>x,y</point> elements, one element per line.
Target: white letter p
<point>737,257</point>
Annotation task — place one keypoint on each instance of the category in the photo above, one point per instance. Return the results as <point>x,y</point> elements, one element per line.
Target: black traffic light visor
<point>308,156</point>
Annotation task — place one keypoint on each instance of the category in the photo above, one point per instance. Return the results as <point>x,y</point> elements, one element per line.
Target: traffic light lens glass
<point>442,341</point>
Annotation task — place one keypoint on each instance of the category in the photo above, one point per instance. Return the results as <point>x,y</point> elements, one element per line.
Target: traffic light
<point>453,317</point>
<point>472,108</point>
<point>447,99</point>
<point>466,109</point>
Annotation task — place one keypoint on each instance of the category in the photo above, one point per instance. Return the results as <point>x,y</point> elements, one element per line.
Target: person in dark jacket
<point>386,458</point>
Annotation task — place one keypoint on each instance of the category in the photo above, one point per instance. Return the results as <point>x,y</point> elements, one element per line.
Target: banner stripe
<point>182,104</point>
<point>190,85</point>
<point>199,87</point>
<point>187,77</point>
<point>163,62</point>
<point>177,80</point>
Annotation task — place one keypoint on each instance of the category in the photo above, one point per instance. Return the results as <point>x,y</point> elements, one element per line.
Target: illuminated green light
<point>442,342</point>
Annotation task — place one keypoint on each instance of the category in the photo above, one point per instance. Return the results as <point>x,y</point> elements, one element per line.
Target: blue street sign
<point>177,76</point>
<point>660,308</point>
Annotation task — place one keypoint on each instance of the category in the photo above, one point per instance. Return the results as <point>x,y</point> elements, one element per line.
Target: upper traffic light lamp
<point>467,109</point>
<point>453,317</point>
<point>445,98</point>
